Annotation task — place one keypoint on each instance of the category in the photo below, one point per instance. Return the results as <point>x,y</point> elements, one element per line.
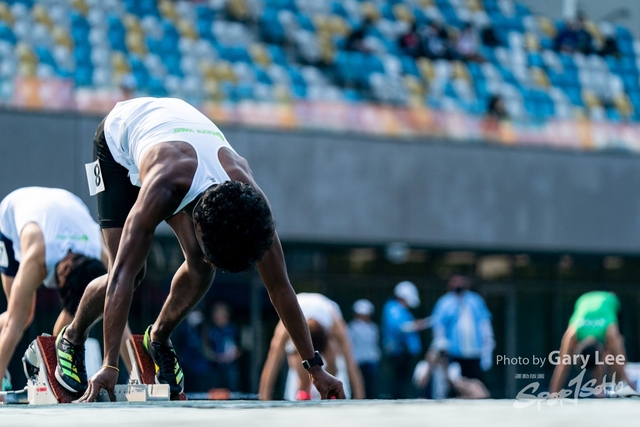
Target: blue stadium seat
<point>575,95</point>
<point>83,75</point>
<point>299,91</point>
<point>536,60</point>
<point>281,4</point>
<point>631,82</point>
<point>613,115</point>
<point>244,91</point>
<point>234,54</point>
<point>6,33</point>
<point>172,62</point>
<point>45,56</point>
<point>352,95</point>
<point>116,33</point>
<point>296,77</point>
<point>305,22</point>
<point>628,65</point>
<point>522,10</point>
<point>79,27</point>
<point>278,55</point>
<point>270,27</point>
<point>338,9</point>
<point>481,89</point>
<point>205,13</point>
<point>156,87</point>
<point>262,77</point>
<point>409,66</point>
<point>349,67</point>
<point>387,12</point>
<point>82,54</point>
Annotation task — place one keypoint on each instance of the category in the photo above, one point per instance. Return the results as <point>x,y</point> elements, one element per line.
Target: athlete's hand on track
<point>106,378</point>
<point>327,385</point>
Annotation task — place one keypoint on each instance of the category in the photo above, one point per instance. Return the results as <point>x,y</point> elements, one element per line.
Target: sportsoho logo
<point>576,387</point>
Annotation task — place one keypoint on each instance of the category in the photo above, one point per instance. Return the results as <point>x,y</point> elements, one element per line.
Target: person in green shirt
<point>592,339</point>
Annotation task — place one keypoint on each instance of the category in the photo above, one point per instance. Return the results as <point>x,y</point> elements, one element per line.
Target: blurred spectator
<point>610,47</point>
<point>196,367</point>
<point>567,39</point>
<point>410,43</point>
<point>400,339</point>
<point>584,39</point>
<point>440,379</point>
<point>365,338</point>
<point>436,41</point>
<point>355,41</point>
<point>468,44</point>
<point>220,347</point>
<point>462,319</point>
<point>496,108</point>
<point>574,37</point>
<point>488,37</point>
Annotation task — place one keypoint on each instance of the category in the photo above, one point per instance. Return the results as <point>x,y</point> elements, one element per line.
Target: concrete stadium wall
<point>624,12</point>
<point>358,190</point>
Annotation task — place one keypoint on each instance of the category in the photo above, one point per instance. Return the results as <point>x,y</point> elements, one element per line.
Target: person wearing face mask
<point>462,319</point>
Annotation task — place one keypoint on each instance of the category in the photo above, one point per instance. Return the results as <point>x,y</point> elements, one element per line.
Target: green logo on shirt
<point>200,131</point>
<point>83,238</point>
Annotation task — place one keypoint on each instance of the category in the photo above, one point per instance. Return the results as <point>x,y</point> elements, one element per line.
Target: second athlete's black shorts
<point>119,195</point>
<point>10,267</point>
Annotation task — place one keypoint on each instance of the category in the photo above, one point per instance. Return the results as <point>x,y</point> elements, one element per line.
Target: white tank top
<point>136,125</point>
<point>319,308</point>
<point>65,223</point>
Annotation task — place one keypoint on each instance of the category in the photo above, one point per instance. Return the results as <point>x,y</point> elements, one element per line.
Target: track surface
<point>329,414</point>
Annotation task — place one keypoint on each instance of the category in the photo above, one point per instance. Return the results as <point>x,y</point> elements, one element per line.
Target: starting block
<point>43,388</point>
<point>143,370</point>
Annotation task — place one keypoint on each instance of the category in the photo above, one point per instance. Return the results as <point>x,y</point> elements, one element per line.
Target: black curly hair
<point>73,274</point>
<point>237,225</point>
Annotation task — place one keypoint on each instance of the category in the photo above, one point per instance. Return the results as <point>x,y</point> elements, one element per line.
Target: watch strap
<point>314,361</point>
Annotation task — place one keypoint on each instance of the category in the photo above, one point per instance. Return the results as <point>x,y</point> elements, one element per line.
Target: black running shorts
<point>119,195</point>
<point>8,264</point>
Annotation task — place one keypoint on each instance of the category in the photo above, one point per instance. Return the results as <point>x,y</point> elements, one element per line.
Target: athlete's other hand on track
<point>106,378</point>
<point>327,385</point>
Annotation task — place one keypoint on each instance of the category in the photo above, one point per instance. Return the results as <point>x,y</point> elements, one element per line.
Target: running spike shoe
<point>167,363</point>
<point>70,369</point>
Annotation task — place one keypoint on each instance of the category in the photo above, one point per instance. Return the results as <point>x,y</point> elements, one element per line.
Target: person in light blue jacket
<point>462,318</point>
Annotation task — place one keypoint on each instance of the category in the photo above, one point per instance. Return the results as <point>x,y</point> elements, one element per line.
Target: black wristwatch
<point>314,361</point>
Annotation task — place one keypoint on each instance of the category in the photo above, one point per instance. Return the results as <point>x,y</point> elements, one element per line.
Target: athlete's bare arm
<point>166,172</point>
<point>273,272</point>
<point>569,342</point>
<point>31,274</point>
<point>273,363</point>
<point>355,376</point>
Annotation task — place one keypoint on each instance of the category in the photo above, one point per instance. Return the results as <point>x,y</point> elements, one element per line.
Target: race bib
<point>94,177</point>
<point>4,259</point>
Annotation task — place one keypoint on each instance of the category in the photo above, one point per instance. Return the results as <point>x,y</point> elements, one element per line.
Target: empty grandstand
<point>347,64</point>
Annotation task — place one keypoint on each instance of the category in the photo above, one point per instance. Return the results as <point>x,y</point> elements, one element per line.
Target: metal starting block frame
<point>136,391</point>
<point>39,391</point>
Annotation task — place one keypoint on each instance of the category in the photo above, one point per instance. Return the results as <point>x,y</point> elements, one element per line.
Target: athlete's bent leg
<point>614,343</point>
<point>189,285</point>
<point>91,306</point>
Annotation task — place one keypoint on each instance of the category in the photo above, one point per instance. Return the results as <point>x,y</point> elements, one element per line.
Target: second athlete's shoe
<point>167,363</point>
<point>70,369</point>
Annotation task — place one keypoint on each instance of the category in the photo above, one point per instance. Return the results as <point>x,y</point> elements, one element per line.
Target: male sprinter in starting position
<point>46,236</point>
<point>162,160</point>
<point>593,332</point>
